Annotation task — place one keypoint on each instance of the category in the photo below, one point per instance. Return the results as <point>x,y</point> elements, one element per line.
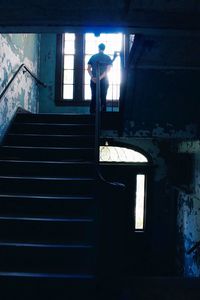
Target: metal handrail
<point>26,69</point>
<point>97,130</point>
<point>97,116</point>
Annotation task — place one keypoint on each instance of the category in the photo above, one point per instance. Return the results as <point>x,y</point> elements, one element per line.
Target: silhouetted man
<point>105,64</point>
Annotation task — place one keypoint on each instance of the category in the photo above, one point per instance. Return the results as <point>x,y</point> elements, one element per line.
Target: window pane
<point>109,93</point>
<point>139,202</point>
<point>69,47</point>
<point>87,77</point>
<point>91,47</point>
<point>87,92</point>
<point>115,94</point>
<point>120,154</point>
<point>70,36</point>
<point>68,91</point>
<point>87,57</point>
<point>69,76</point>
<point>69,62</point>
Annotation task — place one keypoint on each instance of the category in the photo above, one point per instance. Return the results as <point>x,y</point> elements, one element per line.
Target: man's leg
<point>93,100</point>
<point>104,88</point>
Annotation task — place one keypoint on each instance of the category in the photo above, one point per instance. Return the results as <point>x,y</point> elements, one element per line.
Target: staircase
<point>47,208</point>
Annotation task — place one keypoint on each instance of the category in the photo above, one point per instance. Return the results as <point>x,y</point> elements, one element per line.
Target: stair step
<point>46,258</point>
<point>52,128</point>
<point>54,186</point>
<point>31,286</point>
<point>46,168</point>
<point>45,140</point>
<point>55,118</point>
<point>46,230</point>
<point>33,206</point>
<point>47,153</point>
<point>48,276</point>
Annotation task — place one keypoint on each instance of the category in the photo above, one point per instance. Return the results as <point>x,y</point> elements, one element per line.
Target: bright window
<point>120,154</point>
<point>73,53</point>
<point>68,78</point>
<point>113,43</point>
<point>140,202</point>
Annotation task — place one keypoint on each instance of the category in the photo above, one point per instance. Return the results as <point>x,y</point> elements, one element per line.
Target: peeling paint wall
<point>188,219</point>
<point>16,49</point>
<point>189,233</point>
<point>162,88</point>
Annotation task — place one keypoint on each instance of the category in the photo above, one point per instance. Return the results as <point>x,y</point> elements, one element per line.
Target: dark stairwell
<point>48,210</point>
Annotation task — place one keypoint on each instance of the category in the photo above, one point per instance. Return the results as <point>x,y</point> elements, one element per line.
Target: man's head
<point>101,47</point>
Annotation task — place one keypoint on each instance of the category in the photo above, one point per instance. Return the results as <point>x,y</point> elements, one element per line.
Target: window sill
<point>62,102</point>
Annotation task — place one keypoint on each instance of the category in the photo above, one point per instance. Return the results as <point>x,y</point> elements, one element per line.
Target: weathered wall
<point>16,49</point>
<point>162,104</point>
<point>162,93</point>
<point>188,208</point>
<point>189,232</point>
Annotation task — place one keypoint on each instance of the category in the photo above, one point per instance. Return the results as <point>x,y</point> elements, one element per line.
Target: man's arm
<point>89,69</point>
<point>104,74</point>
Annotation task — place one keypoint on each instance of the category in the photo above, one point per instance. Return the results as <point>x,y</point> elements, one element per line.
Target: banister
<point>15,75</point>
<point>97,117</point>
<point>97,131</point>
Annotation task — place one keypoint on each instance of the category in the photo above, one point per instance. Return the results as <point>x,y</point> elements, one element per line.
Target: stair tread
<point>46,245</point>
<point>46,148</point>
<point>40,219</point>
<point>55,124</point>
<point>47,162</point>
<point>51,135</point>
<point>49,178</point>
<point>48,197</point>
<point>47,275</point>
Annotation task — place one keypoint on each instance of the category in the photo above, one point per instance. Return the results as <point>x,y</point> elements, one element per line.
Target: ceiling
<point>180,14</point>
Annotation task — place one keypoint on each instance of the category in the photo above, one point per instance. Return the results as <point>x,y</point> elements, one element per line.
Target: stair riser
<point>46,187</point>
<point>46,169</point>
<point>45,232</point>
<point>53,118</point>
<point>51,129</point>
<point>48,141</point>
<point>34,207</point>
<point>31,259</point>
<point>46,288</point>
<point>47,154</point>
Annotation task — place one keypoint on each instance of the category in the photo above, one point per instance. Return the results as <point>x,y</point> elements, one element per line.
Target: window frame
<point>78,93</point>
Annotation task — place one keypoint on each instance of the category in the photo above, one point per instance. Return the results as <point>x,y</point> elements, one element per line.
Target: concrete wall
<point>16,49</point>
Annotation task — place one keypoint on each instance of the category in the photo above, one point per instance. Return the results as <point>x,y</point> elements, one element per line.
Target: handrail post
<point>97,115</point>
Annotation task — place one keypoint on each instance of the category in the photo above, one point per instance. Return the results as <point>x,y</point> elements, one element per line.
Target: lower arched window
<point>131,167</point>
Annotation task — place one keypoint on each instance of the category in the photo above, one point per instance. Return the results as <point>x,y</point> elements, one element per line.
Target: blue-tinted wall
<point>16,49</point>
